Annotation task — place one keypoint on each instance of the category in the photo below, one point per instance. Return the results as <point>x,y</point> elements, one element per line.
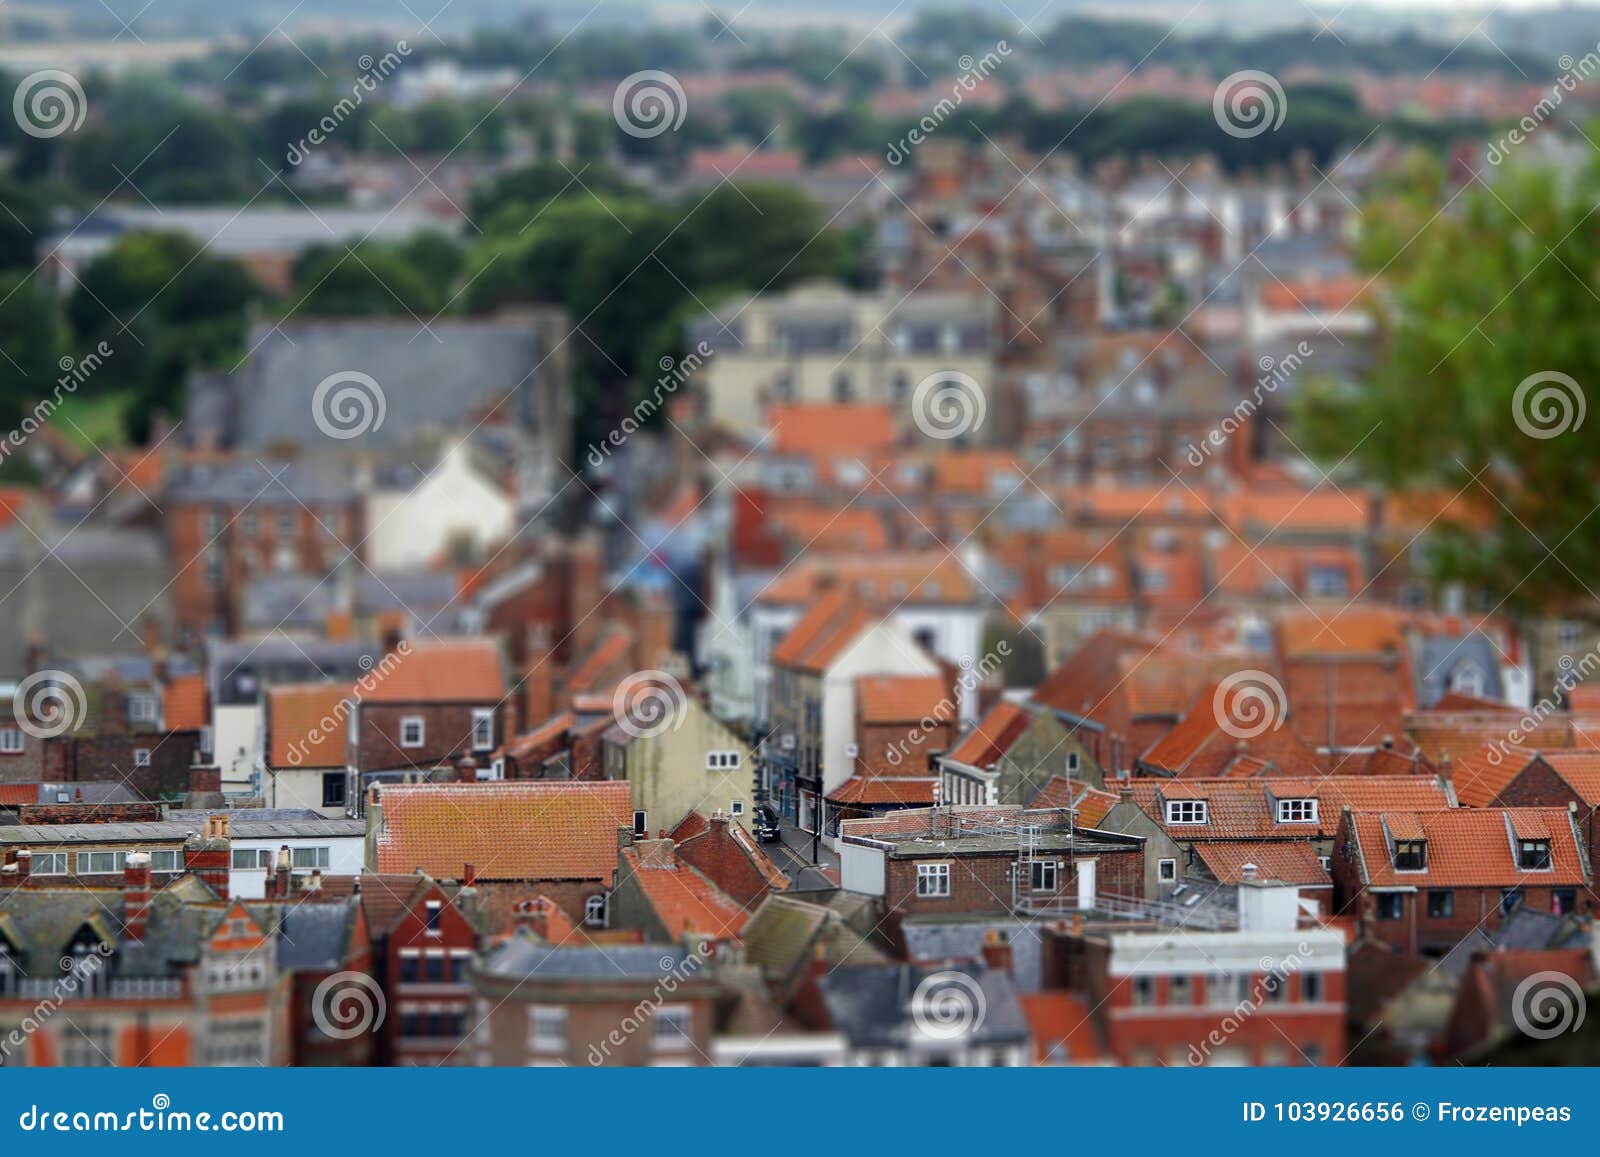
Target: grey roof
<point>288,601</point>
<point>929,938</point>
<point>876,1006</point>
<point>261,483</point>
<point>420,593</point>
<point>174,831</point>
<point>312,937</point>
<point>526,957</point>
<point>80,590</point>
<point>1439,659</point>
<point>428,381</point>
<point>237,672</point>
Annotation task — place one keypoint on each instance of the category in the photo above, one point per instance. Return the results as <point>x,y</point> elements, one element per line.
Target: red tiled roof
<point>1063,1029</point>
<point>986,743</point>
<point>450,671</point>
<point>1467,848</point>
<point>1286,861</point>
<point>12,794</point>
<point>306,725</point>
<point>508,830</point>
<point>831,430</point>
<point>1090,803</point>
<point>890,579</point>
<point>1198,745</point>
<point>903,698</point>
<point>184,703</point>
<point>824,632</point>
<point>883,790</point>
<point>1580,770</point>
<point>683,899</point>
<point>1243,809</point>
<point>614,648</point>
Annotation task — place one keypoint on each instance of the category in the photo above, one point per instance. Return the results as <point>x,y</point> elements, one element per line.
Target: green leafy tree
<point>1484,305</point>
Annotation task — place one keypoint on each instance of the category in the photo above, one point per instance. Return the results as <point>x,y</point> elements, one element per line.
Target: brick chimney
<point>24,862</point>
<point>208,857</point>
<point>469,875</point>
<point>278,880</point>
<point>997,952</point>
<point>136,895</point>
<point>467,769</point>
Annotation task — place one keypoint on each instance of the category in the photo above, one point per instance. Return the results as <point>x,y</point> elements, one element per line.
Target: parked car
<point>768,825</point>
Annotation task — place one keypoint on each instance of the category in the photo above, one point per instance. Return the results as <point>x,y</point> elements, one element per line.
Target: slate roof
<point>430,383</point>
<point>873,1005</point>
<point>313,937</point>
<point>526,957</point>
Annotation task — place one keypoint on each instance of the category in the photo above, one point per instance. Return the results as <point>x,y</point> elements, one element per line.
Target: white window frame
<point>86,864</point>
<point>143,708</point>
<point>595,911</point>
<point>141,757</point>
<point>551,1037</point>
<point>736,807</point>
<point>641,825</point>
<point>40,859</point>
<point>933,881</point>
<point>1043,870</point>
<point>1306,809</point>
<point>171,857</point>
<point>483,719</point>
<point>406,722</point>
<point>1187,811</point>
<point>1166,871</point>
<point>723,761</point>
<point>11,741</point>
<point>674,1039</point>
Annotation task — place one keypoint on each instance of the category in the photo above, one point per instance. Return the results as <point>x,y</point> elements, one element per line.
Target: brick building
<point>435,702</point>
<point>1421,880</point>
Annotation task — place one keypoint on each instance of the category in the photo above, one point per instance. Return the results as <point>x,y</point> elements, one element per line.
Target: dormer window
<point>1411,855</point>
<point>1297,811</point>
<point>1186,811</point>
<point>1533,855</point>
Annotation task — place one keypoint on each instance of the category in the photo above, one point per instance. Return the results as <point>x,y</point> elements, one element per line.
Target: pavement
<point>793,854</point>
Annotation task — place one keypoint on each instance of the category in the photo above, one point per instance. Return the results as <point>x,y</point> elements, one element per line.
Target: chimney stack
<point>467,769</point>
<point>469,875</point>
<point>997,951</point>
<point>24,862</point>
<point>136,895</point>
<point>279,880</point>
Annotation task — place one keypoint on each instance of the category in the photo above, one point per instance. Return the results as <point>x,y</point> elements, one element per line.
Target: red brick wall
<point>983,883</point>
<point>910,745</point>
<point>446,734</point>
<point>86,813</point>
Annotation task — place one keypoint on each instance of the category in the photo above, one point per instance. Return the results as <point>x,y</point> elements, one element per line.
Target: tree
<point>1489,353</point>
<point>366,281</point>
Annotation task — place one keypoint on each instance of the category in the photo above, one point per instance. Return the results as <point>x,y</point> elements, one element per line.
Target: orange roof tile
<point>1245,809</point>
<point>1090,803</point>
<point>613,649</point>
<point>824,632</point>
<point>1580,770</point>
<point>446,671</point>
<point>880,790</point>
<point>508,830</point>
<point>925,577</point>
<point>684,900</point>
<point>1063,1029</point>
<point>306,725</point>
<point>831,430</point>
<point>904,698</point>
<point>986,743</point>
<point>183,703</point>
<point>1286,861</point>
<point>1467,848</point>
